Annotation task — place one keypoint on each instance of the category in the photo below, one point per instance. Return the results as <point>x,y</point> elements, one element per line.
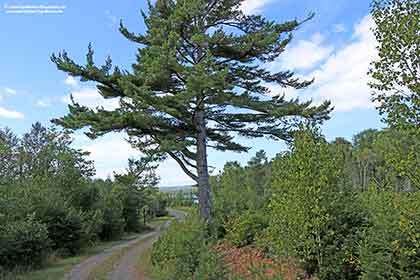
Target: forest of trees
<point>339,210</point>
<point>49,202</point>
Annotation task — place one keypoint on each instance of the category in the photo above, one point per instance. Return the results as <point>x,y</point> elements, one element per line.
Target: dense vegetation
<point>339,210</point>
<point>331,210</point>
<point>49,203</point>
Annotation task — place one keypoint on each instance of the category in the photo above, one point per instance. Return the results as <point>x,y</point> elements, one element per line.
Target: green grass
<point>55,269</point>
<point>187,209</point>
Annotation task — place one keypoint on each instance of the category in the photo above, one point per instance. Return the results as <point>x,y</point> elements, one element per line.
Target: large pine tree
<point>198,81</point>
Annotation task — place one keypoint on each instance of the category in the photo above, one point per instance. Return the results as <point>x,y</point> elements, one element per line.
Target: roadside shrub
<point>23,243</point>
<point>113,221</point>
<point>211,266</point>
<point>243,230</point>
<point>65,227</point>
<point>92,223</point>
<point>176,255</point>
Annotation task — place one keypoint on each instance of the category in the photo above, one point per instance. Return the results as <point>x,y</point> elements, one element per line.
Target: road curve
<point>126,268</point>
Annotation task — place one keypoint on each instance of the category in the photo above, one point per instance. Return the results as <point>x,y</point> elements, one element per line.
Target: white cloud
<point>339,28</point>
<point>91,98</point>
<point>71,81</point>
<point>10,91</point>
<point>44,103</point>
<point>304,55</point>
<point>343,77</point>
<point>108,152</point>
<point>10,114</point>
<point>7,113</point>
<point>253,6</point>
<point>111,153</point>
<point>5,92</point>
<point>172,175</point>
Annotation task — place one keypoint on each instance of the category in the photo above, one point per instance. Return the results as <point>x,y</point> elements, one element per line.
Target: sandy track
<point>126,267</point>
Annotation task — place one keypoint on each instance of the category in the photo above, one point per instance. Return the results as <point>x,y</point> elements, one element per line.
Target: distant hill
<point>175,188</point>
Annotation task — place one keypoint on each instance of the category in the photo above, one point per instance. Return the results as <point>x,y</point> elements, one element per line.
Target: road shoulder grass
<point>144,261</point>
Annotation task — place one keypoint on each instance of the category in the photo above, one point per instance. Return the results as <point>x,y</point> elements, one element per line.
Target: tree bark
<point>202,169</point>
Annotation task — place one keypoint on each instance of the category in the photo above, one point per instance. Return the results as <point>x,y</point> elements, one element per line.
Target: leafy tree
<point>311,216</point>
<point>138,186</point>
<point>230,196</point>
<point>198,81</point>
<point>45,152</point>
<point>389,247</point>
<point>24,242</point>
<point>9,145</point>
<point>240,196</point>
<point>112,205</point>
<point>140,174</point>
<point>258,180</point>
<point>396,73</point>
<point>343,155</point>
<point>399,150</point>
<point>364,155</point>
<point>48,201</point>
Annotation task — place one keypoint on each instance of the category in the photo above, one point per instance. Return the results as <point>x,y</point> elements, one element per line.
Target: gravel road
<point>126,267</point>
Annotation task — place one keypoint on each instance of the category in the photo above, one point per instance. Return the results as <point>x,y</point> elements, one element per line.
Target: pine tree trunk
<point>202,169</point>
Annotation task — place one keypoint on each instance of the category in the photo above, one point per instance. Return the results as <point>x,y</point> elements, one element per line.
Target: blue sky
<point>335,48</point>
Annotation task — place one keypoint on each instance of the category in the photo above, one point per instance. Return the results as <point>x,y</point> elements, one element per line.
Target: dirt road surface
<point>126,268</point>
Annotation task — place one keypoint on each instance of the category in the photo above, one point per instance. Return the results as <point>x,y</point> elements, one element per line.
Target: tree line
<point>343,209</point>
<point>51,204</point>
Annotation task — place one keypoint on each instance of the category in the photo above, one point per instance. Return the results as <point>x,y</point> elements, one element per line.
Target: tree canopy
<point>396,73</point>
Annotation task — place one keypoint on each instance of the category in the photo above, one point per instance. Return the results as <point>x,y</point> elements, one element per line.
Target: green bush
<point>391,249</point>
<point>211,266</point>
<point>129,197</point>
<point>113,221</point>
<point>243,230</point>
<point>176,254</point>
<point>92,223</point>
<point>312,217</point>
<point>65,227</point>
<point>23,243</point>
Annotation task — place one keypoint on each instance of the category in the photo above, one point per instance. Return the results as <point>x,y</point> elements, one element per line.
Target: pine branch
<point>184,168</point>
